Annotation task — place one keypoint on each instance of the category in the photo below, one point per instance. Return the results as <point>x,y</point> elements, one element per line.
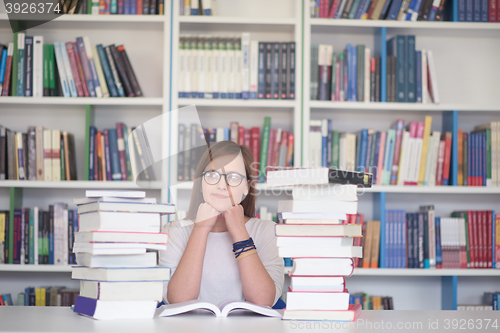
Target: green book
<point>264,146</point>
<point>354,9</point>
<point>335,149</point>
<point>52,70</point>
<point>20,64</point>
<point>45,70</point>
<point>31,250</point>
<point>360,73</point>
<point>63,159</point>
<point>464,216</point>
<point>20,299</point>
<point>46,221</point>
<point>13,80</point>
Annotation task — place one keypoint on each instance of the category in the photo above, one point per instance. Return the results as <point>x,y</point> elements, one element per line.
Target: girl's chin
<point>220,206</point>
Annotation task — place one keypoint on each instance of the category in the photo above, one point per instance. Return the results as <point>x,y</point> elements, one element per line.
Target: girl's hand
<point>235,223</point>
<point>206,216</point>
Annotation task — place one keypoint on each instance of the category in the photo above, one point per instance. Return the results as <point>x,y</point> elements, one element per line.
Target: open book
<point>220,310</point>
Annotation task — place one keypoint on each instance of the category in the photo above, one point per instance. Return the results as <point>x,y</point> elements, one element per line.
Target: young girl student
<point>221,251</point>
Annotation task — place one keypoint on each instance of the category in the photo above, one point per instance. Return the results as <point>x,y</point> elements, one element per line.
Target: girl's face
<point>219,195</point>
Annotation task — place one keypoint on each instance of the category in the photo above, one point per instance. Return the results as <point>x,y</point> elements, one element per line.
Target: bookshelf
<point>468,98</point>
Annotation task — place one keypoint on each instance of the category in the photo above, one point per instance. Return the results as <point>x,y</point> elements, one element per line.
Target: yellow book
<point>43,299</point>
<point>367,246</point>
<point>375,244</point>
<point>425,148</point>
<point>460,175</point>
<point>37,296</point>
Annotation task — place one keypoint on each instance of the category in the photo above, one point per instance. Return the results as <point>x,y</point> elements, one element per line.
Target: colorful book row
<point>39,154</point>
<point>235,68</point>
<point>30,68</point>
<point>48,296</point>
<point>107,7</point>
<point>34,236</point>
<point>369,302</point>
<point>196,7</point>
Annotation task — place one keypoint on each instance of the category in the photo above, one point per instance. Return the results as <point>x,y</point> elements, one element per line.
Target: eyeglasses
<point>233,179</point>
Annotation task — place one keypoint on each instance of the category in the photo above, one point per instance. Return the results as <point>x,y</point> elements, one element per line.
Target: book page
<point>227,306</point>
<point>177,308</point>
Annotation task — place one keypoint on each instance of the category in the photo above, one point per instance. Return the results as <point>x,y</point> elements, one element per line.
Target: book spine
<point>107,71</point>
<point>122,72</point>
<point>275,69</point>
<point>92,152</point>
<point>61,70</point>
<point>31,171</point>
<point>264,149</point>
<point>418,77</point>
<point>116,173</point>
<point>254,69</point>
<point>93,70</point>
<point>107,156</point>
<point>282,87</point>
<point>114,71</point>
<point>28,66</point>
<point>268,70</point>
<point>100,73</point>
<point>447,159</point>
<point>56,155</point>
<point>290,88</point>
<point>74,69</point>
<point>121,151</point>
<point>8,70</point>
<point>68,70</point>
<point>86,66</point>
<point>245,65</point>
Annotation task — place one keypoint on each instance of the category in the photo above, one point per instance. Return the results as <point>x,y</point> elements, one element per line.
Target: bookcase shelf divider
<point>379,214</point>
<point>449,292</point>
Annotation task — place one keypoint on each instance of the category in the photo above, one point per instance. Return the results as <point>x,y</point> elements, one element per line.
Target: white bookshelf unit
<point>468,74</point>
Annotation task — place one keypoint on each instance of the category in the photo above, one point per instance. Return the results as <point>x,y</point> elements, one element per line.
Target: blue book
<point>394,10</point>
<point>411,9</point>
<point>421,236</point>
<point>110,82</point>
<point>7,299</point>
<point>85,65</point>
<point>354,9</point>
<point>403,235</point>
<point>363,7</point>
<point>396,47</point>
<point>461,10</point>
<point>418,78</point>
<point>389,156</point>
<point>92,152</point>
<point>126,7</point>
<point>376,156</point>
<point>439,259</point>
<point>20,64</point>
<point>354,73</point>
<point>387,239</point>
<point>426,240</point>
<point>115,157</point>
<point>348,60</point>
<point>385,9</point>
<point>469,11</point>
<point>226,134</point>
<point>329,143</point>
<point>28,66</point>
<point>484,10</point>
<point>133,8</point>
<point>476,10</point>
<point>409,238</point>
<point>410,66</point>
<point>275,67</point>
<point>3,62</point>
<point>324,143</point>
<point>433,12</point>
<point>362,152</point>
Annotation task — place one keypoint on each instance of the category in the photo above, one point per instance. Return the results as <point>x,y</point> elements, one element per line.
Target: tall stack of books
<point>118,277</point>
<point>315,235</point>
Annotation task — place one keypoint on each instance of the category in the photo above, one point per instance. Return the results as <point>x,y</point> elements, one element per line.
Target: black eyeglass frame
<point>225,177</point>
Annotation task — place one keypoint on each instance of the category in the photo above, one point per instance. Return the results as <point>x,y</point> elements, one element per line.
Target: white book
<point>350,151</point>
<point>321,251</point>
<point>117,236</point>
<point>417,154</point>
<point>61,69</point>
<point>315,144</point>
<point>121,273</point>
<point>238,70</point>
<point>139,207</point>
<point>314,241</point>
<point>317,283</point>
<point>404,158</point>
<point>324,230</point>
<point>56,155</point>
<point>67,69</point>
<point>37,66</point>
<point>231,67</point>
<point>92,65</point>
<point>263,211</point>
<point>181,83</point>
<point>115,193</point>
<point>322,266</point>
<point>304,206</point>
<point>80,247</point>
<point>329,316</point>
<point>425,90</point>
<point>215,68</point>
<point>100,73</point>
<point>105,310</point>
<point>81,201</point>
<point>312,221</point>
<point>207,7</point>
<point>367,88</point>
<point>325,192</point>
<point>315,215</point>
<point>208,68</point>
<point>223,68</point>
<point>35,228</point>
<point>147,259</point>
<point>122,291</point>
<point>95,7</point>
<point>428,164</point>
<point>436,138</point>
<point>432,77</point>
<point>254,68</point>
<point>194,66</point>
<point>245,65</point>
<point>47,154</point>
<point>119,221</point>
<point>195,7</point>
<point>220,310</point>
<point>187,8</point>
<point>317,301</point>
<point>58,233</point>
<point>342,151</point>
<point>201,66</point>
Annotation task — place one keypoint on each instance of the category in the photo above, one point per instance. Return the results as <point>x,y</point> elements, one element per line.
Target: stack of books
<point>118,277</point>
<point>313,232</point>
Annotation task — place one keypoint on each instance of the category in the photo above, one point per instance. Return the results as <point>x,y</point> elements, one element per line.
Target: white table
<point>59,319</point>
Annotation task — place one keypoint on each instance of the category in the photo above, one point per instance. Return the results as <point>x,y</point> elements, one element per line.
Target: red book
<point>323,8</point>
<point>498,11</point>
<point>440,163</point>
<point>80,71</point>
<point>97,141</point>
<point>447,157</point>
<point>277,145</point>
<point>255,148</point>
<point>472,257</point>
<point>271,149</point>
<point>489,237</point>
<point>139,7</point>
<point>475,234</point>
<point>1,301</point>
<point>74,68</point>
<point>8,72</point>
<point>121,151</point>
<point>492,10</point>
<point>333,9</point>
<point>482,237</point>
<point>289,153</point>
<point>399,126</point>
<point>241,135</point>
<point>247,136</point>
<point>372,8</point>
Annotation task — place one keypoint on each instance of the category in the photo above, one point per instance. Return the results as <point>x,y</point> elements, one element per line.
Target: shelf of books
<point>82,101</point>
<point>403,24</point>
<point>390,106</point>
<point>241,71</point>
<point>105,18</point>
<point>82,184</point>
